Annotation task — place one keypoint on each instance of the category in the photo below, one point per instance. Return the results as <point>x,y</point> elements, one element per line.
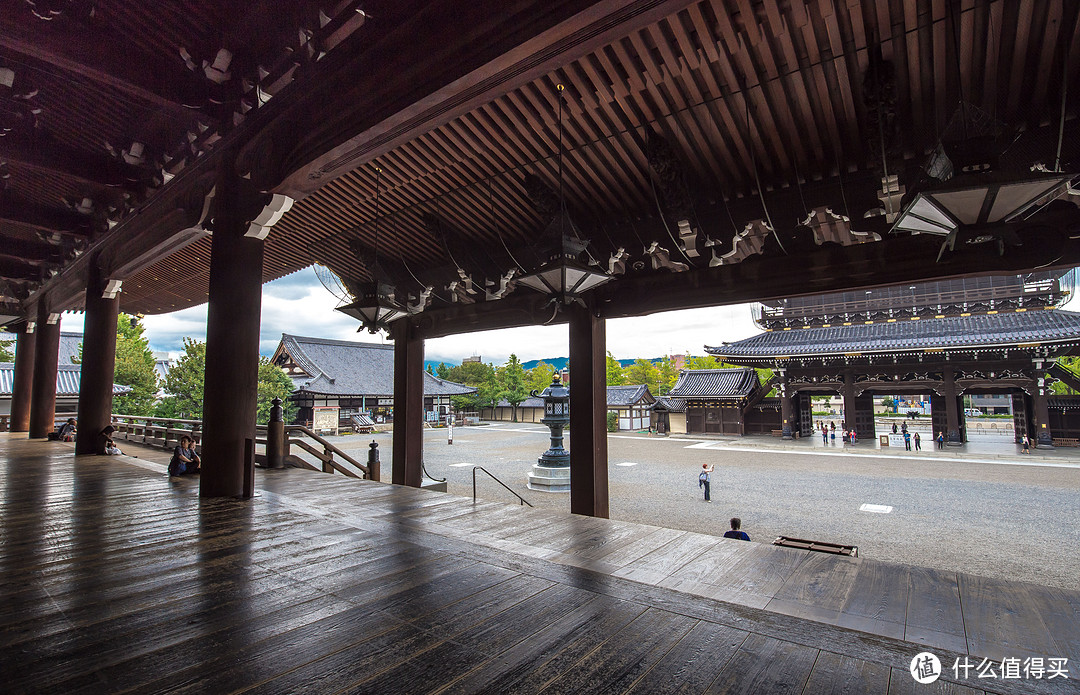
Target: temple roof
<point>715,383</point>
<point>68,377</point>
<point>344,368</point>
<point>1018,329</point>
<point>629,394</point>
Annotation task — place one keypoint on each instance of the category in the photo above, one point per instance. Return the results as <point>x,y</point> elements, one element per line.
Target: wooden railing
<point>165,433</point>
<point>156,431</point>
<point>344,464</point>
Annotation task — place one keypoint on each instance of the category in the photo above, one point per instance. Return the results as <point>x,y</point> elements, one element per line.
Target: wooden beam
<point>30,251</point>
<point>48,156</point>
<point>12,269</point>
<point>357,113</point>
<point>26,214</point>
<point>102,57</point>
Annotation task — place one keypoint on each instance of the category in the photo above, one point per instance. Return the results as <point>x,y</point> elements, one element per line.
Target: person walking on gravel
<point>703,479</point>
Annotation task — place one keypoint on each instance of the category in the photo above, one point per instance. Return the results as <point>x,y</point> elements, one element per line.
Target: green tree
<point>539,377</point>
<point>478,375</point>
<point>666,376</point>
<point>273,383</point>
<point>642,372</point>
<point>614,371</point>
<point>512,382</point>
<point>184,384</point>
<point>134,368</point>
<point>703,362</point>
<point>430,370</point>
<point>1060,388</point>
<point>7,348</point>
<point>442,370</point>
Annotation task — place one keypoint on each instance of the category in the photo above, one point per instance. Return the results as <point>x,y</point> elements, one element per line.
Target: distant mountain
<point>559,363</point>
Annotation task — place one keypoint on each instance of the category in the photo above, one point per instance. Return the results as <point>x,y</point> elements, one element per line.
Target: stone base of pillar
<point>953,439</point>
<point>433,485</point>
<point>1044,441</point>
<point>548,479</point>
<point>786,433</point>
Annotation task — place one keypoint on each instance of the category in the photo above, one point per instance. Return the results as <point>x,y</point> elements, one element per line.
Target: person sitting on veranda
<point>184,459</point>
<point>66,433</point>
<point>735,532</point>
<point>107,446</point>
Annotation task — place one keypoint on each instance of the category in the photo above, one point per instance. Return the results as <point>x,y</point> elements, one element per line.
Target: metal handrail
<point>481,468</point>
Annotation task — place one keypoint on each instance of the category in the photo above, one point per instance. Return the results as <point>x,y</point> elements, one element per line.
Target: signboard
<point>389,402</point>
<point>324,419</point>
<point>896,440</point>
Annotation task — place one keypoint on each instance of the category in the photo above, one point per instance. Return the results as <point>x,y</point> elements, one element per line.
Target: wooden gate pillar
<point>98,362</point>
<point>849,401</point>
<point>25,345</point>
<point>952,410</point>
<point>787,411</point>
<point>408,442</point>
<point>1044,438</point>
<point>43,389</point>
<point>588,413</point>
<point>232,340</point>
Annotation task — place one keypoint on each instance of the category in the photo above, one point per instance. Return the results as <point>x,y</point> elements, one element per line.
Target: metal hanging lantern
<point>562,275</point>
<point>551,473</point>
<point>376,307</point>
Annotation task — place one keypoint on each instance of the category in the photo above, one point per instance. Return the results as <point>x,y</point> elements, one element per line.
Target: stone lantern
<point>552,470</point>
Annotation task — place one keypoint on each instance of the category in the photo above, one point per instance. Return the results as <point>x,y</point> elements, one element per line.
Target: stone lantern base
<point>548,479</point>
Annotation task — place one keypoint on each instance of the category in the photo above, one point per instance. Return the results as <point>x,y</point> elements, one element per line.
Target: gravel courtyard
<point>1006,519</point>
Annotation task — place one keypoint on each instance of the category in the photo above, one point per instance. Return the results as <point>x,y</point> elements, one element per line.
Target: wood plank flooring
<point>115,578</point>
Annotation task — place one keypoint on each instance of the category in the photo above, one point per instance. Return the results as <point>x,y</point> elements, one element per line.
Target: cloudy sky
<point>298,304</point>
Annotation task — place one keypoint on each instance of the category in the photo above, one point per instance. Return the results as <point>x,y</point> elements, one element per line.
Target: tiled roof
<point>955,332</point>
<point>715,383</point>
<point>67,380</point>
<point>672,405</point>
<point>345,368</point>
<point>629,394</point>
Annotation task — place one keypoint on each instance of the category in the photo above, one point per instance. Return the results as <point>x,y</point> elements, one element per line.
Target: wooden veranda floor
<point>116,578</point>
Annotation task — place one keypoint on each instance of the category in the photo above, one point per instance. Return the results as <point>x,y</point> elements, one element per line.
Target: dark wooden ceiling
<point>763,127</point>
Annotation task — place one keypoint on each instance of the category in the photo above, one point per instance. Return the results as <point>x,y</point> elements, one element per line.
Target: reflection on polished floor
<point>115,578</point>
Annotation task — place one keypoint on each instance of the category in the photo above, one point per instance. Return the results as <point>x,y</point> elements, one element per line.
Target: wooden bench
<point>778,433</point>
<point>1066,441</point>
<point>818,546</point>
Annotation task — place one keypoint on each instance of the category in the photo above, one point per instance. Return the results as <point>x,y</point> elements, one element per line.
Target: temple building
<point>950,338</point>
<point>631,402</point>
<point>336,380</point>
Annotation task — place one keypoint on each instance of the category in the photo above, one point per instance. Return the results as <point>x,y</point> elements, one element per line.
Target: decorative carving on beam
<point>269,216</point>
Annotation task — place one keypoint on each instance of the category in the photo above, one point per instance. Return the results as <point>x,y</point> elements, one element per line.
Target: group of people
<point>829,432</point>
<point>185,460</point>
<point>704,481</point>
<point>909,439</point>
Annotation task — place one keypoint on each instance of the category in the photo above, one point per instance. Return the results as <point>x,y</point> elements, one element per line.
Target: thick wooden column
<point>25,345</point>
<point>952,409</point>
<point>408,440</point>
<point>232,346</point>
<point>588,413</point>
<point>1043,438</point>
<point>848,392</point>
<point>43,389</point>
<point>787,409</point>
<point>98,365</point>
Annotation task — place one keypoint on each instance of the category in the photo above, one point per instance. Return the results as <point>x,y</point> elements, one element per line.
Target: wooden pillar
<point>232,345</point>
<point>1044,438</point>
<point>408,442</point>
<point>43,389</point>
<point>99,363</point>
<point>849,401</point>
<point>787,410</point>
<point>952,411</point>
<point>588,413</point>
<point>25,345</point>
